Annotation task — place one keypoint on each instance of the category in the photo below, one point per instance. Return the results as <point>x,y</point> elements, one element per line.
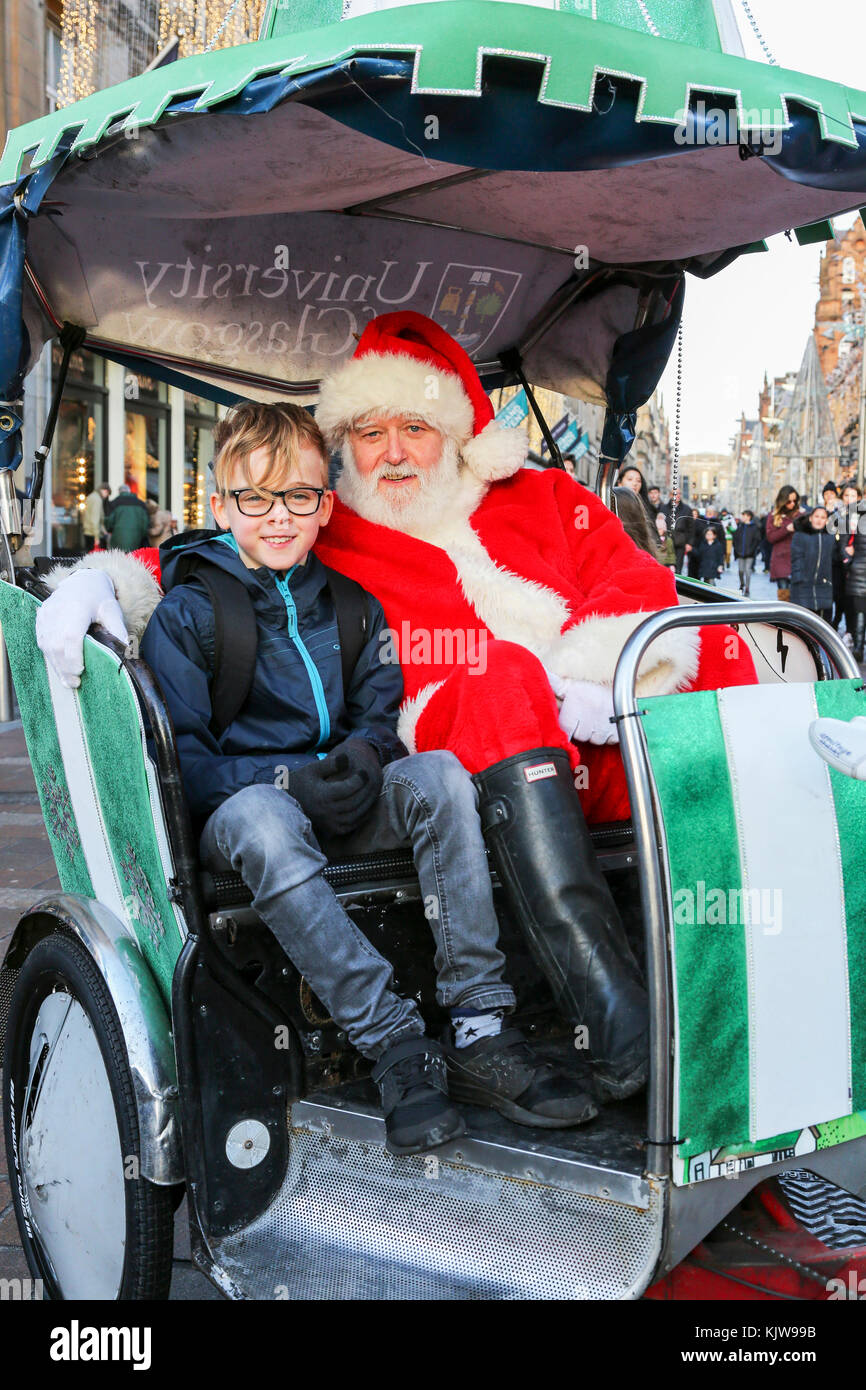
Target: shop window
<point>76,447</point>
<point>76,463</point>
<point>199,422</point>
<point>145,454</point>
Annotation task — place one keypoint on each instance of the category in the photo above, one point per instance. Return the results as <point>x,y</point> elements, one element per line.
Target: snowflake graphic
<point>58,812</point>
<point>139,902</point>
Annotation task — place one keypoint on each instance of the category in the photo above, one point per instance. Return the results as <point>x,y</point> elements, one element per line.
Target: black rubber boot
<point>541,846</point>
<point>413,1084</point>
<point>504,1074</point>
<point>859,634</point>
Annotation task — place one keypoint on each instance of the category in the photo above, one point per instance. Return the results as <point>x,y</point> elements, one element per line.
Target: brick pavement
<point>26,872</point>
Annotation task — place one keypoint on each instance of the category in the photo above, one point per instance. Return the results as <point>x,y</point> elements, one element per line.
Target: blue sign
<point>515,411</point>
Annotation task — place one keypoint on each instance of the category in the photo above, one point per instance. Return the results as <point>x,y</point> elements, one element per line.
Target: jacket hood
<point>220,548</point>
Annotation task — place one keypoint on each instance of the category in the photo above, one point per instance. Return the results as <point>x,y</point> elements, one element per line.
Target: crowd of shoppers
<point>126,523</point>
<point>815,556</point>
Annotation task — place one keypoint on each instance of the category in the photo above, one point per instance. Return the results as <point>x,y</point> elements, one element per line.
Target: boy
<point>306,765</point>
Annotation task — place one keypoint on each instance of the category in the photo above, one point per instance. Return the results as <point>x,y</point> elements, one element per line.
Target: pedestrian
<point>746,540</point>
<point>836,522</point>
<point>699,530</point>
<point>655,499</point>
<point>765,550</point>
<point>681,527</point>
<point>830,496</point>
<point>631,477</point>
<point>812,564</point>
<point>780,529</point>
<point>711,557</point>
<point>667,554</point>
<point>93,519</point>
<point>128,522</point>
<point>162,523</point>
<point>855,567</point>
<point>627,505</point>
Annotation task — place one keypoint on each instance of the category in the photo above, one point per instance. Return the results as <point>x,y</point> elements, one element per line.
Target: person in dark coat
<point>711,556</point>
<point>699,528</point>
<point>765,550</point>
<point>128,522</point>
<point>855,567</point>
<point>780,530</point>
<point>812,564</point>
<point>681,529</point>
<point>747,539</point>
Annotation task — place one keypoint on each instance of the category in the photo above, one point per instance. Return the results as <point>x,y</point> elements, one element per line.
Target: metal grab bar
<point>640,789</point>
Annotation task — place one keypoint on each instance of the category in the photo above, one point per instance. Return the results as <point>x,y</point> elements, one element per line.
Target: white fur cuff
<point>590,651</point>
<point>137,591</point>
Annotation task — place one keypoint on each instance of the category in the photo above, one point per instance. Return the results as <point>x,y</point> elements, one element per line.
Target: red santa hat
<point>405,364</point>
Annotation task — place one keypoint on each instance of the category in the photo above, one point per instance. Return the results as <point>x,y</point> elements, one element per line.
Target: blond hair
<point>281,428</point>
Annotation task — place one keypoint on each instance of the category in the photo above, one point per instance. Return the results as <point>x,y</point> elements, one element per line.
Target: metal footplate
<point>484,1217</point>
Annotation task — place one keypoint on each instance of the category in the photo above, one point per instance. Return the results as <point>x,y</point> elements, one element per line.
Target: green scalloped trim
<point>448,40</point>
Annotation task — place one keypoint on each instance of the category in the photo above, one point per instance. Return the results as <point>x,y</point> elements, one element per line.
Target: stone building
<point>839,328</point>
<point>651,448</point>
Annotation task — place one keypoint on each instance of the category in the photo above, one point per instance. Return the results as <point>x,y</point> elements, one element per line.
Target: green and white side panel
<point>767,860</point>
<point>97,786</point>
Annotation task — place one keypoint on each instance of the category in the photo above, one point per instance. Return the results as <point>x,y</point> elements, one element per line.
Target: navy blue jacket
<point>747,540</point>
<point>812,569</point>
<point>711,558</point>
<point>297,708</point>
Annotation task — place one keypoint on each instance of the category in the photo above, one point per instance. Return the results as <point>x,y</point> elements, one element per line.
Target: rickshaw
<point>539,179</point>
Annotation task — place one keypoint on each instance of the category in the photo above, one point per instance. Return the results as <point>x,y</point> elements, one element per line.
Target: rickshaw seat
<point>371,872</point>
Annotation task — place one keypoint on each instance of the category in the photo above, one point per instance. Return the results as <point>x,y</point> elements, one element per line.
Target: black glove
<point>363,759</point>
<point>337,792</point>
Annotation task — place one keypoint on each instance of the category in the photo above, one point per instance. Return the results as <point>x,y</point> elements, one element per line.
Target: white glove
<point>86,597</point>
<point>842,744</point>
<point>584,715</point>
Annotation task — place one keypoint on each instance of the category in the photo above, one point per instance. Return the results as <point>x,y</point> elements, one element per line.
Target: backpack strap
<point>350,602</point>
<point>233,614</point>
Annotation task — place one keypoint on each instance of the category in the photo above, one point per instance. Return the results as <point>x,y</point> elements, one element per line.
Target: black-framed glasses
<point>300,501</point>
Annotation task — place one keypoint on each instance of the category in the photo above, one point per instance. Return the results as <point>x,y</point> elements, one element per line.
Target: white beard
<point>443,492</point>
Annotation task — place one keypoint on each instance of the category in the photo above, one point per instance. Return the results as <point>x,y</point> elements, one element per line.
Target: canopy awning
<point>532,179</point>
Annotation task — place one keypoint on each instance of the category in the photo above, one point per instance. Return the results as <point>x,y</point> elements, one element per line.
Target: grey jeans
<point>745,563</point>
<point>429,802</point>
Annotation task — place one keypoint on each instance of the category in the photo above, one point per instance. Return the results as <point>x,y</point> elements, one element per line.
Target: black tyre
<point>90,1225</point>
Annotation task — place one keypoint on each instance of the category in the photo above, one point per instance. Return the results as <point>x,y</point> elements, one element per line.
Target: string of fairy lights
<point>88,61</point>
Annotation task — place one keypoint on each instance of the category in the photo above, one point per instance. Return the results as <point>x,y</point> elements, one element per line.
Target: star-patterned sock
<point>471,1024</point>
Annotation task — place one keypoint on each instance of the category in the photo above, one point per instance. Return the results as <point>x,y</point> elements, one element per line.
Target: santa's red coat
<point>542,571</point>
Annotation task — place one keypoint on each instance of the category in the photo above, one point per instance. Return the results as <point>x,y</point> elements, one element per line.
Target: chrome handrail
<point>652,861</point>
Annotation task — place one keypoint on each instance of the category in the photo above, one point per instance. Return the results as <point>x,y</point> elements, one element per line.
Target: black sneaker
<point>413,1084</point>
<point>504,1074</point>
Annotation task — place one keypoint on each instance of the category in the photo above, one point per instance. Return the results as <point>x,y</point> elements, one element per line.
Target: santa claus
<point>509,594</point>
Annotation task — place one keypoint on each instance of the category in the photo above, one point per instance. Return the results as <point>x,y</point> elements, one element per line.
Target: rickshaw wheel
<point>91,1225</point>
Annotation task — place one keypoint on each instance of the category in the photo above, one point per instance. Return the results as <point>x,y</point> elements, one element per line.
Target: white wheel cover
<point>71,1156</point>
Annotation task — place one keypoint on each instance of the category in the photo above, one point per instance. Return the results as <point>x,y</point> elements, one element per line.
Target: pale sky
<point>759,312</point>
